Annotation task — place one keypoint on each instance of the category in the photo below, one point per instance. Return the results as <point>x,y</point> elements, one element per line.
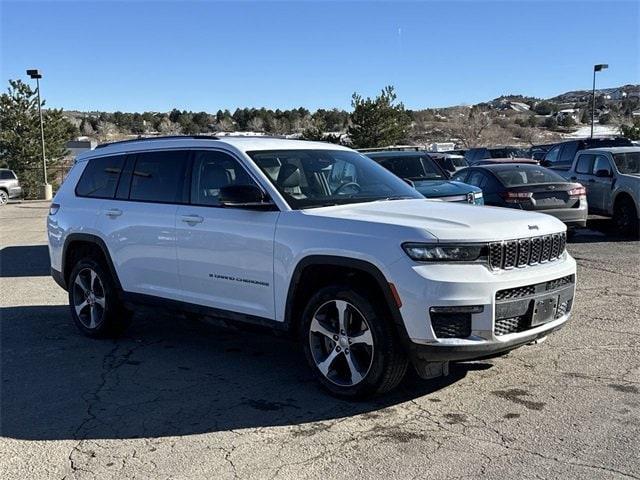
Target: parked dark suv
<point>560,156</point>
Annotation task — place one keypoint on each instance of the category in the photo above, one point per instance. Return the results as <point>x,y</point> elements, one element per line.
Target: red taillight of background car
<point>578,192</point>
<point>516,197</point>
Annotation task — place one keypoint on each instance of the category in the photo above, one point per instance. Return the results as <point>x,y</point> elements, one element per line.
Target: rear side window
<point>568,152</point>
<point>476,178</point>
<point>159,177</point>
<point>7,175</point>
<point>100,177</point>
<point>585,163</point>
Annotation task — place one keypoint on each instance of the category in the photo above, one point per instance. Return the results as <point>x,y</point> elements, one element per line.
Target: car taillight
<point>578,192</point>
<point>516,197</point>
<point>53,208</point>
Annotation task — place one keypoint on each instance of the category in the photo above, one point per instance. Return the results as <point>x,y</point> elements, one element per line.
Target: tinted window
<point>212,171</point>
<point>460,176</point>
<point>601,163</point>
<point>416,167</point>
<point>585,163</point>
<point>627,163</point>
<point>552,155</point>
<point>475,178</point>
<point>568,152</point>
<point>525,175</point>
<point>159,177</point>
<point>7,175</point>
<point>100,177</point>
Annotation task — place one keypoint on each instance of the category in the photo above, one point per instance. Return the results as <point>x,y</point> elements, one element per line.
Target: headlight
<point>424,252</point>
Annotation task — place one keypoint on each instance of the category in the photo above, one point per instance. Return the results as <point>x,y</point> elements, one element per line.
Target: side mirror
<point>603,173</point>
<point>244,196</point>
<point>545,163</point>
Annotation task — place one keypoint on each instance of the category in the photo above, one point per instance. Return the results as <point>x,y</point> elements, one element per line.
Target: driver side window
<point>211,171</point>
<point>601,163</point>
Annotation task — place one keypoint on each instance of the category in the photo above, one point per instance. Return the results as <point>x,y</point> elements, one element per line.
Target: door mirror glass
<point>247,196</point>
<point>603,173</point>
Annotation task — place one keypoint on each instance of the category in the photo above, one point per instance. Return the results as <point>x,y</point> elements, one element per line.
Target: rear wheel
<point>350,343</point>
<point>93,299</point>
<point>4,198</point>
<point>625,217</point>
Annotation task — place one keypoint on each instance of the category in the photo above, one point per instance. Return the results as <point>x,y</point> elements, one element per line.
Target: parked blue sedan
<point>426,176</point>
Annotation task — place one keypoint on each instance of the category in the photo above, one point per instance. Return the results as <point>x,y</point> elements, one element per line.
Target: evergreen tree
<point>20,144</point>
<point>378,122</point>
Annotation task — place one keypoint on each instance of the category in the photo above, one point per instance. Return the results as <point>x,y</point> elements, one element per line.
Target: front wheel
<point>350,343</point>
<point>4,198</point>
<point>93,299</point>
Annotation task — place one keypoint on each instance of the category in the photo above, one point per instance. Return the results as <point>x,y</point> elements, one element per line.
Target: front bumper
<point>15,192</point>
<point>500,324</point>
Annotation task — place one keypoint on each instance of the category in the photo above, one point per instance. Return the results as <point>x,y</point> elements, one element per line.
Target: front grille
<point>563,309</point>
<point>451,325</point>
<point>559,282</point>
<point>526,251</point>
<point>516,292</point>
<point>505,326</point>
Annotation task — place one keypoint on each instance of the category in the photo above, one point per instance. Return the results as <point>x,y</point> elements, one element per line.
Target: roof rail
<point>393,148</point>
<point>166,137</point>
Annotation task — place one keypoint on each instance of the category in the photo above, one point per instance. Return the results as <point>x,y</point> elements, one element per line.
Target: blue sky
<point>156,55</point>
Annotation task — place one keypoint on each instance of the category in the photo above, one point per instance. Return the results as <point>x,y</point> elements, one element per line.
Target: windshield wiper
<point>395,197</point>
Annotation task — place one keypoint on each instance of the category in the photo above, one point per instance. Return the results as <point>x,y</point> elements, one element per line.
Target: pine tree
<point>378,122</point>
<point>20,147</point>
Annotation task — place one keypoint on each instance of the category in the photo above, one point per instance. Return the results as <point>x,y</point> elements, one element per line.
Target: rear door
<point>225,254</point>
<point>139,223</point>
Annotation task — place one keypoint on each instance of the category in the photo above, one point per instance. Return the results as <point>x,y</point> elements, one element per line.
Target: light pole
<point>46,188</point>
<point>596,68</point>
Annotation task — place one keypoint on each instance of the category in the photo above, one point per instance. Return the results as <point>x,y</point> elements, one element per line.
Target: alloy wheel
<point>89,298</point>
<point>4,197</point>
<point>341,343</point>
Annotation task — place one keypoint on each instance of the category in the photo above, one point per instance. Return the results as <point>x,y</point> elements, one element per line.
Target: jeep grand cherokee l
<point>311,238</point>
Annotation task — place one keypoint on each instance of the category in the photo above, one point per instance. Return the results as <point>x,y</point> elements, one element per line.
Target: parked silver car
<point>612,178</point>
<point>9,186</point>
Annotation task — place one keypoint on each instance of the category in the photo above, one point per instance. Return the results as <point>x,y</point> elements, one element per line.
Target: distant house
<point>81,144</point>
<point>519,106</point>
<point>568,112</point>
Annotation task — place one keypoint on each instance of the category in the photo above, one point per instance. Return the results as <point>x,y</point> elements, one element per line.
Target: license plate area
<point>544,309</point>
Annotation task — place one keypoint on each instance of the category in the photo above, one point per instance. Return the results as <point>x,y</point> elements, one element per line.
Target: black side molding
<point>85,237</point>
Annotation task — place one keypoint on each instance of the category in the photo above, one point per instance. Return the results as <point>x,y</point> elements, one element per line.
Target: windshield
<point>627,163</point>
<point>525,175</point>
<point>317,178</point>
<point>417,167</point>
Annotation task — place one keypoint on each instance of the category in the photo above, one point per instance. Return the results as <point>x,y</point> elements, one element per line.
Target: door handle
<point>113,212</point>
<point>192,219</point>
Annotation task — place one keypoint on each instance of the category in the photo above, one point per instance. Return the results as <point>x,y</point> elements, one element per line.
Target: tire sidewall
<point>111,310</point>
<point>4,198</point>
<point>380,332</point>
<point>626,210</point>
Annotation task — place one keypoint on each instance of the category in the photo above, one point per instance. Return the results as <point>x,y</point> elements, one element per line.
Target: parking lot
<point>176,398</point>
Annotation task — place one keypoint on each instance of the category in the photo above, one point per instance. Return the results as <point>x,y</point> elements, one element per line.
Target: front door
<point>225,255</point>
<point>600,186</point>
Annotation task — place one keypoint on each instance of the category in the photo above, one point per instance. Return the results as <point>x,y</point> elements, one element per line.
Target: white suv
<point>311,238</point>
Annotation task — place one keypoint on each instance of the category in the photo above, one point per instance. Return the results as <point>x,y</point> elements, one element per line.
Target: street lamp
<point>47,191</point>
<point>596,68</point>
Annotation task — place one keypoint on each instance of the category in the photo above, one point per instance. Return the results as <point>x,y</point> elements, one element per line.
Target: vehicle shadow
<point>598,230</point>
<point>166,376</point>
<point>24,261</point>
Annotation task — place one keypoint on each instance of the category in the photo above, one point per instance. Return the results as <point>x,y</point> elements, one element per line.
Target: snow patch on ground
<point>598,131</point>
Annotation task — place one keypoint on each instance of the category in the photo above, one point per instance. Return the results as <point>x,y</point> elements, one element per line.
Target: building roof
<point>240,144</point>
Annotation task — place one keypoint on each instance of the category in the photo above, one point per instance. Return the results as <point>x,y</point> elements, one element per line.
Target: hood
<point>447,221</point>
<point>443,188</point>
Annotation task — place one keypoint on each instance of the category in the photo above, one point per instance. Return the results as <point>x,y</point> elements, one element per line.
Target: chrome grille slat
<point>526,251</point>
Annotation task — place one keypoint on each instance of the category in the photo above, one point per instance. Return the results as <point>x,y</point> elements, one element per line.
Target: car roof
<point>390,153</point>
<point>239,143</point>
<point>497,167</point>
<point>613,149</point>
<point>490,161</point>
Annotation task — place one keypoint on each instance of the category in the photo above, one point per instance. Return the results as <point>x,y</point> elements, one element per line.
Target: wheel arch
<point>317,264</point>
<point>85,242</point>
<point>620,197</point>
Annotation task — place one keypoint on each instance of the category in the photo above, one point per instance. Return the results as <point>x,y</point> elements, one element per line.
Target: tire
<point>93,300</point>
<point>625,218</point>
<point>350,343</point>
<point>4,198</point>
